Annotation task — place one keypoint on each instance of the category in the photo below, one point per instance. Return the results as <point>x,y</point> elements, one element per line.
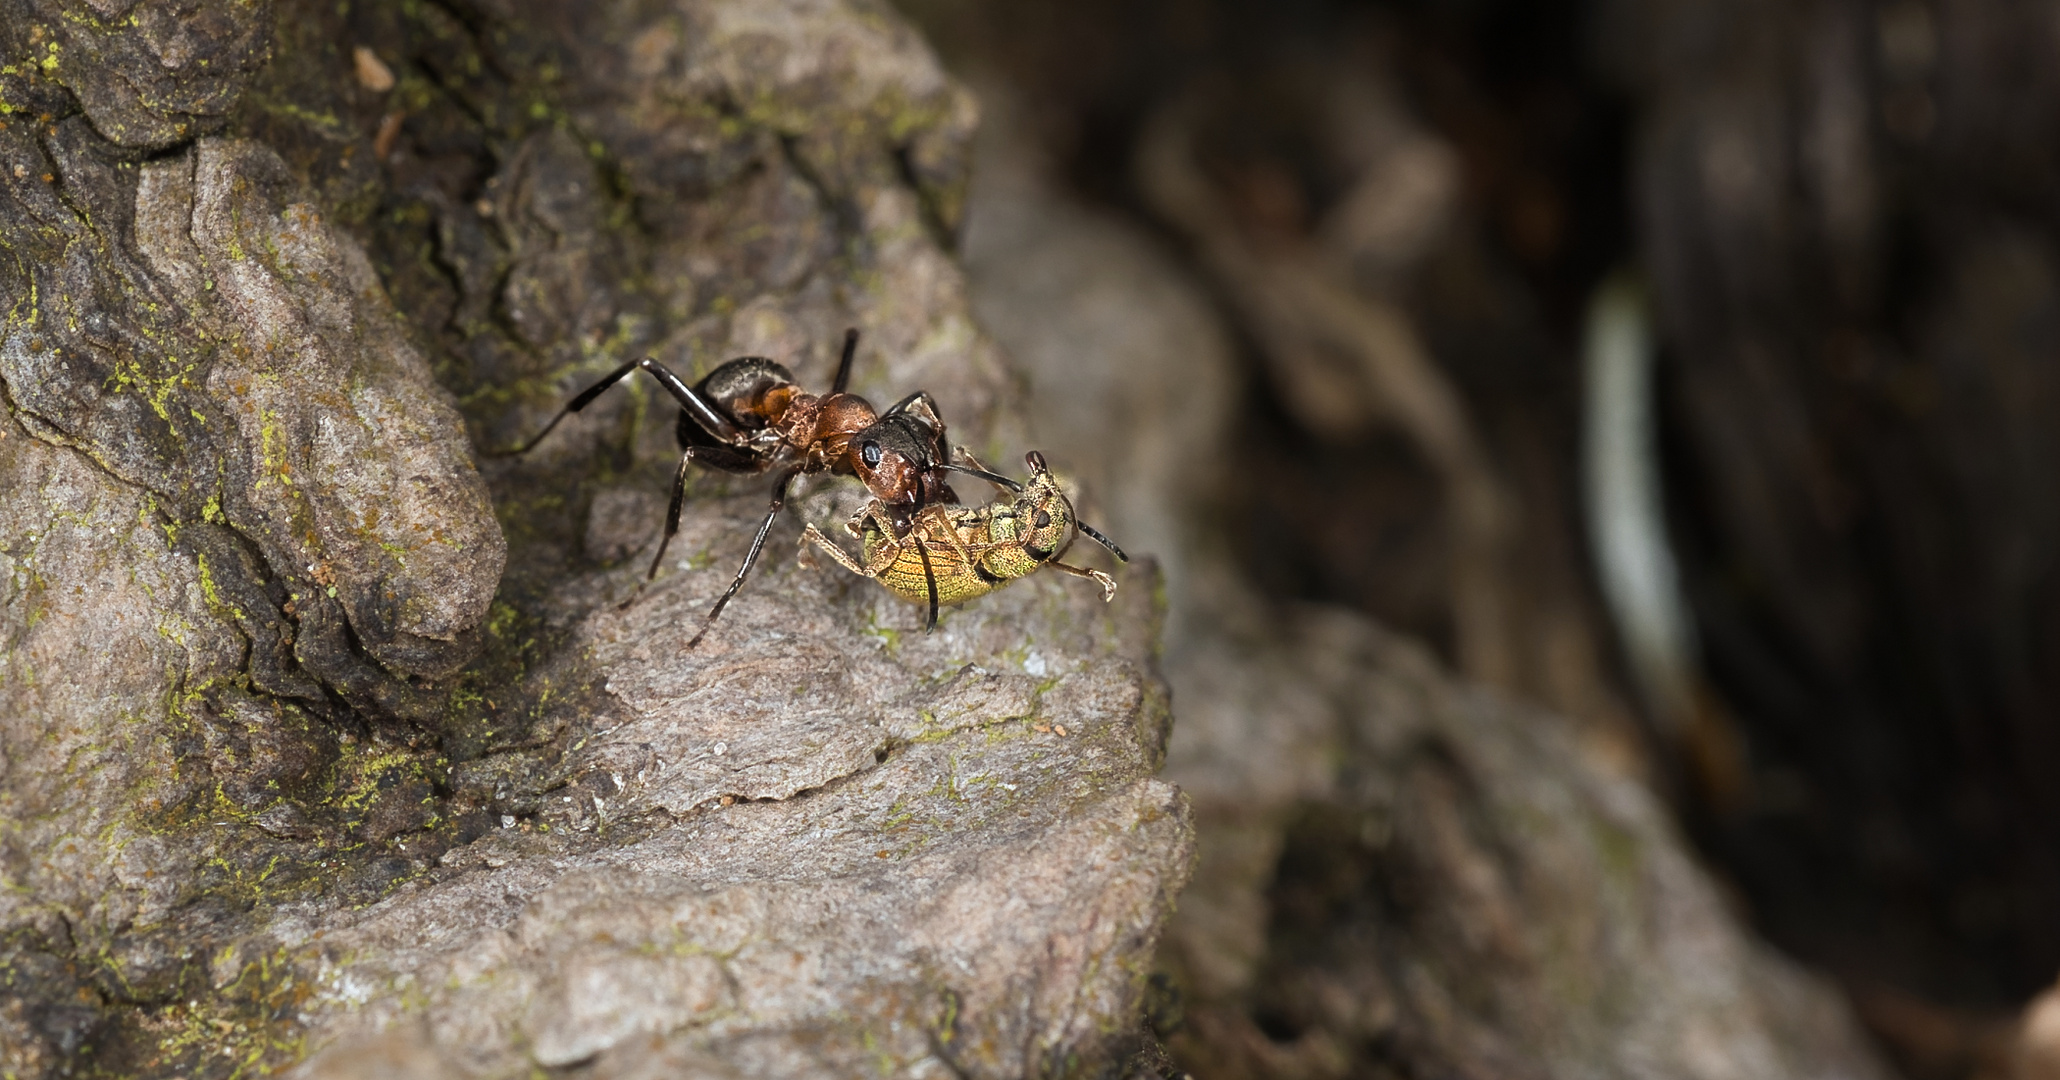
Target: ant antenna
<point>992,478</point>
<point>1102,540</point>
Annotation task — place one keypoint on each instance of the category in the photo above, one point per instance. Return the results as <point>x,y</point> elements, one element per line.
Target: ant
<point>749,417</point>
<point>955,553</point>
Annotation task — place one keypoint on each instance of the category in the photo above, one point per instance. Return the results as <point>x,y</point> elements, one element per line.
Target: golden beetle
<point>951,554</point>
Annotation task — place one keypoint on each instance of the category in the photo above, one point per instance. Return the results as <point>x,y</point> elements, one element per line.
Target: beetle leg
<point>950,531</point>
<point>874,513</point>
<point>812,535</point>
<point>1107,583</point>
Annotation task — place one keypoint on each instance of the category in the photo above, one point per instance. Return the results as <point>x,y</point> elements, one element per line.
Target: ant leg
<point>853,524</point>
<point>728,459</point>
<point>923,406</point>
<point>711,419</point>
<point>585,398</point>
<point>812,535</point>
<point>1107,583</point>
<point>705,414</point>
<point>713,456</point>
<point>844,365</point>
<point>929,579</point>
<point>779,501</point>
<point>672,512</point>
<point>719,457</point>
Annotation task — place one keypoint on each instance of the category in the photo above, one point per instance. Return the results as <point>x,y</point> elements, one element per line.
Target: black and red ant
<point>748,417</point>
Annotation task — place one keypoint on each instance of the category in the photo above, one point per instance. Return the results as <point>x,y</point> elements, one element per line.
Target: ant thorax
<point>826,425</point>
<point>793,416</point>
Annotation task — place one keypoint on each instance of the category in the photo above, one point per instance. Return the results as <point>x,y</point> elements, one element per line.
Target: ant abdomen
<point>751,391</point>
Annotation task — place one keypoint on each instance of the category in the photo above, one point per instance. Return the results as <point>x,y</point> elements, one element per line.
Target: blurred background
<point>1684,367</point>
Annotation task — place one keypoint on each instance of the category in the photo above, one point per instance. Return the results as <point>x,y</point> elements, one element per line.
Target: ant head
<point>895,458</point>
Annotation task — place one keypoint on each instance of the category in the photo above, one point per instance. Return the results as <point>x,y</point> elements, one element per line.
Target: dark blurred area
<point>1844,217</point>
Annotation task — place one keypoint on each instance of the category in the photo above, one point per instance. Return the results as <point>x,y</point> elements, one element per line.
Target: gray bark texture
<point>1398,874</point>
<point>323,748</point>
<point>327,750</point>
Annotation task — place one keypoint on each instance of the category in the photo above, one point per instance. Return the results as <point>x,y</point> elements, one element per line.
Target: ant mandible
<point>748,417</point>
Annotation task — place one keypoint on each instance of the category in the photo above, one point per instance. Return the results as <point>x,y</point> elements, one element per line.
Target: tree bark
<point>321,739</point>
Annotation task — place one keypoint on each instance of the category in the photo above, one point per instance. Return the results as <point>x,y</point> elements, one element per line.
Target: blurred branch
<point>1626,522</point>
<point>1625,505</point>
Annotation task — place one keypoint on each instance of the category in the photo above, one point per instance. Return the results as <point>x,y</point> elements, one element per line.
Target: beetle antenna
<point>1104,541</point>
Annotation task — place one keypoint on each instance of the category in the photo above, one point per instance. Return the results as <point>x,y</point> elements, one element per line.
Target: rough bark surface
<point>1398,874</point>
<point>1848,216</point>
<point>317,739</point>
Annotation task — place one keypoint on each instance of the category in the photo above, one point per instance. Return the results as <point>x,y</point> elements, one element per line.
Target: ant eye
<point>870,454</point>
<point>1043,519</point>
